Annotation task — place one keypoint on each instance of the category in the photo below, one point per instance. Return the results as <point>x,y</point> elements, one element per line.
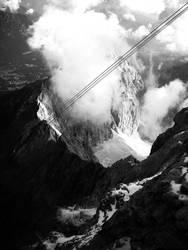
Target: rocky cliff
<point>39,173</point>
<point>149,209</point>
<point>52,199</point>
<point>87,139</point>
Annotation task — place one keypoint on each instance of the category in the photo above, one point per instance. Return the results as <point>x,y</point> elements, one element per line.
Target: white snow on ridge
<point>43,114</point>
<point>140,147</point>
<point>186,160</point>
<point>121,146</point>
<point>81,240</point>
<point>30,12</point>
<point>176,187</point>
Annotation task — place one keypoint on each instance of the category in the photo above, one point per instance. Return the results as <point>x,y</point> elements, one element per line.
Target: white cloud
<point>129,17</point>
<point>13,5</point>
<point>157,103</point>
<point>141,32</point>
<point>77,47</point>
<point>173,4</point>
<point>175,37</point>
<point>144,6</point>
<point>184,104</point>
<point>75,5</point>
<point>151,6</point>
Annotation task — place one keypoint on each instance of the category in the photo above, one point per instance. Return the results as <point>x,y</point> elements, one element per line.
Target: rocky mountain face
<point>156,216</point>
<point>85,138</point>
<point>53,199</point>
<point>170,68</point>
<point>39,174</point>
<point>143,212</point>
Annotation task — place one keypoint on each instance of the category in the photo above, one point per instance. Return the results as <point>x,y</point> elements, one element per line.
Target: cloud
<point>175,37</point>
<point>75,5</point>
<point>129,17</point>
<point>13,5</point>
<point>173,4</point>
<point>157,103</point>
<point>141,32</point>
<point>78,46</point>
<point>184,104</point>
<point>150,7</point>
<point>144,6</point>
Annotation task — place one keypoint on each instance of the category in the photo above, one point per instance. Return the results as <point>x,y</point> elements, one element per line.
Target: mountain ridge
<point>39,175</point>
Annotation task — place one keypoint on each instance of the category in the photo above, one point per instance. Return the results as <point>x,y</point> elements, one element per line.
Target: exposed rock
<point>181,124</point>
<point>83,136</point>
<point>156,216</point>
<point>39,176</point>
<point>38,173</point>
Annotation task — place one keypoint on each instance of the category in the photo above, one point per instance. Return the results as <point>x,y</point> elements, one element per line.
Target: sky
<point>137,16</point>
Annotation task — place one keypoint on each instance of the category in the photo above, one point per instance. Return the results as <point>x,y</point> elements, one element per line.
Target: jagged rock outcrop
<point>181,124</point>
<point>171,69</point>
<point>147,214</point>
<point>83,137</point>
<point>37,170</point>
<point>156,216</point>
<point>141,205</point>
<point>38,173</point>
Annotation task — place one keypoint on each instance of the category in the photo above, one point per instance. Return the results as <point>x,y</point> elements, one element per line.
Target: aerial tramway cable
<point>158,29</point>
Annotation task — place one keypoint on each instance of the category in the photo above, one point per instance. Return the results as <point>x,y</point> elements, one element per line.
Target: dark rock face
<point>173,70</point>
<point>37,171</point>
<point>84,137</point>
<point>181,124</point>
<point>156,216</point>
<point>39,175</point>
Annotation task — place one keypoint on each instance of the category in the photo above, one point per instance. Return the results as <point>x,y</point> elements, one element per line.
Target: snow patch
<point>186,160</point>
<point>30,12</point>
<point>140,147</point>
<point>43,114</point>
<point>121,146</point>
<point>76,217</point>
<point>125,191</point>
<point>175,187</point>
<point>183,197</point>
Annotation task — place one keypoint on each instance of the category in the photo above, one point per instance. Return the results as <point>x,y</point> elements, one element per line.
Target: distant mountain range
<point>18,64</point>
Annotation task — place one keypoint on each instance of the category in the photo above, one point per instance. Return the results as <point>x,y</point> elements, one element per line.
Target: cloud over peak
<point>78,45</point>
<point>13,5</point>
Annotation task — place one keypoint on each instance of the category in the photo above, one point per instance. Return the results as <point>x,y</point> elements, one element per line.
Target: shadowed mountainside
<point>39,175</point>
